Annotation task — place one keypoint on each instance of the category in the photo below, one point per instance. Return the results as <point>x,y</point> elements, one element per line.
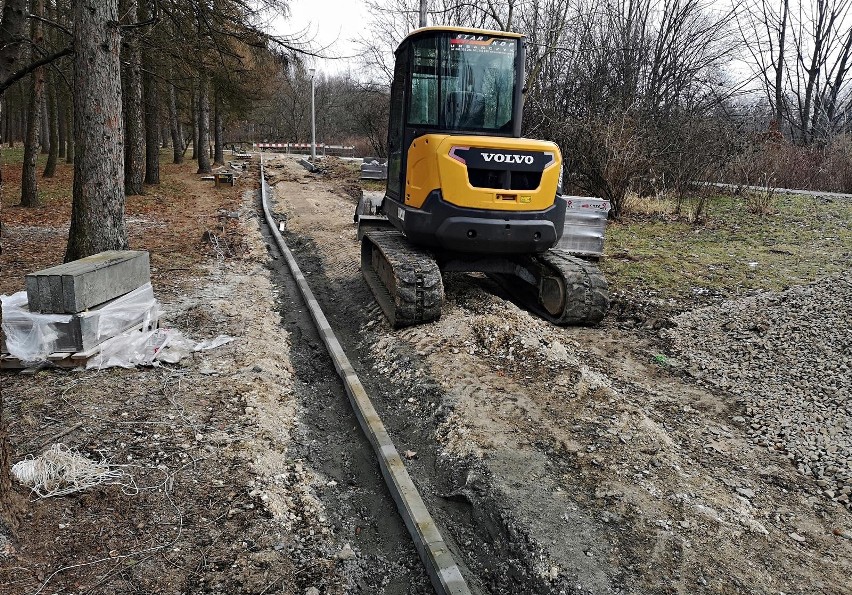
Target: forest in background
<point>646,97</point>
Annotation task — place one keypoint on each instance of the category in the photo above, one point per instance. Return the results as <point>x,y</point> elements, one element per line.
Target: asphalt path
<point>814,193</point>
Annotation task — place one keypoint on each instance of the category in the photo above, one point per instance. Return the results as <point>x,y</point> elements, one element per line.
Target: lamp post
<point>313,119</point>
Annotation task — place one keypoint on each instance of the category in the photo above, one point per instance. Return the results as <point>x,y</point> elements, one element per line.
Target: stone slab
<point>75,286</point>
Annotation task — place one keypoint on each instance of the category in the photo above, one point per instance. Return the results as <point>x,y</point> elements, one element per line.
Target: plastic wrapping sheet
<point>31,336</point>
<point>150,348</point>
<point>113,318</point>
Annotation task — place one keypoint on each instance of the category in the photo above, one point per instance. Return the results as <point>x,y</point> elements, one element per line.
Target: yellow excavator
<point>465,192</point>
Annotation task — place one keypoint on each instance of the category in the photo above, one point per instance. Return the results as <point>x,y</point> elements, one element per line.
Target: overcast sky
<point>342,21</point>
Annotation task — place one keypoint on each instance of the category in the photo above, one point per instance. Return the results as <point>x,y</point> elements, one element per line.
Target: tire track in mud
<point>497,558</point>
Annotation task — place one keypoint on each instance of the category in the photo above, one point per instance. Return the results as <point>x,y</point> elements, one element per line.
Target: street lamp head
<point>312,70</point>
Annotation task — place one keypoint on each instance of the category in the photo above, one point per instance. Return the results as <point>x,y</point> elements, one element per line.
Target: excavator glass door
<point>463,82</point>
<point>452,81</point>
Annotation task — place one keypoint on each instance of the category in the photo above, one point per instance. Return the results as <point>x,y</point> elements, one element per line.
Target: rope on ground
<point>59,471</point>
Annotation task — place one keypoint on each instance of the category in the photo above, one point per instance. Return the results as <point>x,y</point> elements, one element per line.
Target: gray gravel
<point>788,357</point>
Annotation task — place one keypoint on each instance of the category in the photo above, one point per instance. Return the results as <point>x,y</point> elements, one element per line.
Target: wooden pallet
<point>222,178</point>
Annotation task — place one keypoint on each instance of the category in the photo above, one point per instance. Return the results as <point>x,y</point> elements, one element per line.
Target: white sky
<point>342,21</point>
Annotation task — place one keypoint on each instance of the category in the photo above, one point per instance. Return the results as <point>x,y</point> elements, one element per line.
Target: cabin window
<point>463,82</point>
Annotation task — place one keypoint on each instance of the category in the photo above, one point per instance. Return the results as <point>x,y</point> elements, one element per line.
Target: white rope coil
<point>59,471</point>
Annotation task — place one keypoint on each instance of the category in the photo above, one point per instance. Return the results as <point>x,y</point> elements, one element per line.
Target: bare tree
<point>613,77</point>
<point>764,33</point>
<point>803,56</point>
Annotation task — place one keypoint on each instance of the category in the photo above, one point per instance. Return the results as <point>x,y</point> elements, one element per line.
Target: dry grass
<point>761,202</point>
<point>735,251</point>
<point>658,206</point>
<point>169,221</point>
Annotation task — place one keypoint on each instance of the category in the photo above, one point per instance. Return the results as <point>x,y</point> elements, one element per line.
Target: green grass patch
<point>373,185</point>
<point>734,252</point>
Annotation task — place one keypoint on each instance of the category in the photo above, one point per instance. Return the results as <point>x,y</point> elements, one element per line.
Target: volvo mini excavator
<point>465,192</point>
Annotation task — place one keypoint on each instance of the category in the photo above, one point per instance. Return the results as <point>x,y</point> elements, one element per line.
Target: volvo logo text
<point>501,158</point>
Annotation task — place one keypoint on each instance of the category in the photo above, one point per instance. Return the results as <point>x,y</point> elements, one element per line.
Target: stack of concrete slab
<point>374,168</point>
<point>585,225</point>
<point>75,306</point>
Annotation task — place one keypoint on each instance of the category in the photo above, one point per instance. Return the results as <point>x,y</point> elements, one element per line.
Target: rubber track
<point>587,294</point>
<point>408,287</point>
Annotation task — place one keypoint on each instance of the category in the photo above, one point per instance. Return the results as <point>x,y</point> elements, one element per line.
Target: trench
<point>359,507</point>
<point>492,548</point>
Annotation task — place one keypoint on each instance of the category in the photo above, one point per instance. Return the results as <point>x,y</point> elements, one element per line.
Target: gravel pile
<point>788,357</point>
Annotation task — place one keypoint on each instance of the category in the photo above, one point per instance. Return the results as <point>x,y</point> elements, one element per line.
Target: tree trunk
<point>29,185</point>
<point>44,130</point>
<point>779,66</point>
<point>132,109</point>
<point>152,130</point>
<point>178,147</point>
<point>203,149</point>
<point>152,104</point>
<point>53,127</point>
<point>69,118</point>
<point>4,121</point>
<point>23,117</point>
<point>218,132</point>
<point>61,122</point>
<point>97,215</point>
<point>10,125</point>
<point>13,35</point>
<point>195,121</point>
<point>14,20</point>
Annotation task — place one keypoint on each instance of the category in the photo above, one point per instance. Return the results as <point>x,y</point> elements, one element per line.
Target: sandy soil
<point>608,469</point>
<point>220,503</point>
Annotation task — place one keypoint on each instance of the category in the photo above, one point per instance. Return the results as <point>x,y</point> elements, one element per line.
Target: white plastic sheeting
<point>150,348</point>
<point>31,336</point>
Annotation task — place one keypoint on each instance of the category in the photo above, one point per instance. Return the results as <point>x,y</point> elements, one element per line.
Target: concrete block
<point>374,168</point>
<point>76,286</point>
<point>70,333</point>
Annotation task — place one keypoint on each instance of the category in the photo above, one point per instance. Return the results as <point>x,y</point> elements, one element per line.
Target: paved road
<point>814,193</point>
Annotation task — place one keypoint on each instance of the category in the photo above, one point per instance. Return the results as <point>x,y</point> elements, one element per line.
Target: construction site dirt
<point>555,460</point>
